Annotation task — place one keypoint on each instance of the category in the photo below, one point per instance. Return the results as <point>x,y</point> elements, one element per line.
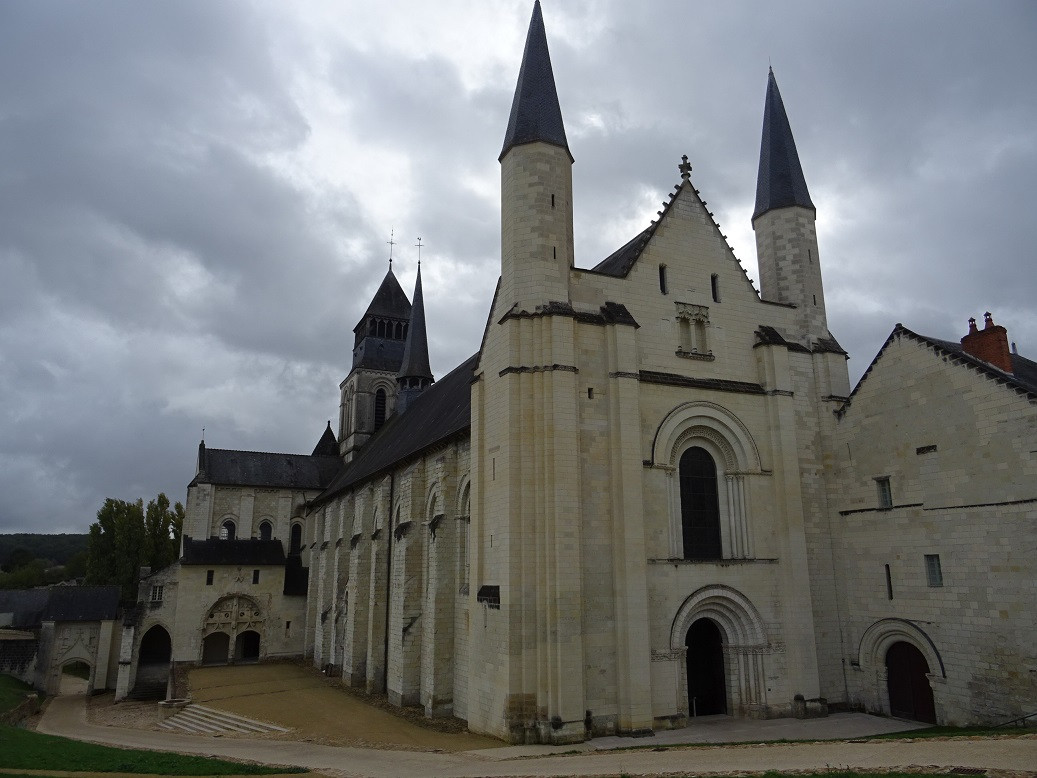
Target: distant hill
<point>56,547</point>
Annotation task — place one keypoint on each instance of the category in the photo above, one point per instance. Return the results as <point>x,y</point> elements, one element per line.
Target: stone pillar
<point>124,682</point>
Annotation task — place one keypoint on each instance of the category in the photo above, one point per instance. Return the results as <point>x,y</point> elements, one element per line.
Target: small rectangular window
<point>287,628</point>
<point>208,577</point>
<point>255,576</point>
<point>933,573</point>
<point>590,392</point>
<point>156,593</point>
<point>663,287</point>
<point>889,584</point>
<point>885,493</point>
<point>714,283</point>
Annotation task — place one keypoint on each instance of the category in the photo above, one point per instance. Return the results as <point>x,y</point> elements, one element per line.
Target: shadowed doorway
<point>707,681</point>
<point>910,695</point>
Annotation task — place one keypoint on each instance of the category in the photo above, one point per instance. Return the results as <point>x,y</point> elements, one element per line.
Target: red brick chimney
<point>989,344</point>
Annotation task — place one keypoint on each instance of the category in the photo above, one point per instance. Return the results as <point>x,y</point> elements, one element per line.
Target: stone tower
<point>368,394</point>
<point>536,185</point>
<point>786,241</point>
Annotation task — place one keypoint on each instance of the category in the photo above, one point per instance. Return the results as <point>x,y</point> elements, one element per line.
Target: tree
<point>126,537</point>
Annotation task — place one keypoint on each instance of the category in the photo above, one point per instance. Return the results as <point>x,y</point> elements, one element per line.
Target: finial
<point>685,168</point>
<point>391,243</point>
<point>203,434</point>
<point>418,244</point>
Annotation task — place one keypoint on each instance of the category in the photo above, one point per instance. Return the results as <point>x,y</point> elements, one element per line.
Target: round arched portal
<point>216,648</point>
<point>75,678</point>
<point>246,646</point>
<point>707,676</point>
<point>156,647</point>
<point>910,695</point>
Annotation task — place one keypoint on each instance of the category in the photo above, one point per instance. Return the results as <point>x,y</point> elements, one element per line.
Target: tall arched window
<point>700,505</point>
<point>295,544</point>
<point>379,408</point>
<point>227,530</point>
<point>266,530</point>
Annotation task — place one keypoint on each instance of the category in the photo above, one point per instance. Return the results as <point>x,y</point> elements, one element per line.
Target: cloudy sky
<point>195,197</point>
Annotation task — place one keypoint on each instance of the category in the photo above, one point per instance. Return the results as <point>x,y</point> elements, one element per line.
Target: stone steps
<point>200,720</point>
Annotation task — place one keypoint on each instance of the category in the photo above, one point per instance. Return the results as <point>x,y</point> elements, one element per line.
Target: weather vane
<point>418,244</point>
<point>391,243</point>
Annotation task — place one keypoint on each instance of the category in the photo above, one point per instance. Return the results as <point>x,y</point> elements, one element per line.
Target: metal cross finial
<point>685,168</point>
<point>418,244</point>
<point>391,243</point>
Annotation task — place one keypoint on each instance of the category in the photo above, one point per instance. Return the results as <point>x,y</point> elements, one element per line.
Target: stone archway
<point>215,648</point>
<point>720,619</point>
<point>75,678</point>
<point>246,646</point>
<point>232,616</point>
<point>156,650</point>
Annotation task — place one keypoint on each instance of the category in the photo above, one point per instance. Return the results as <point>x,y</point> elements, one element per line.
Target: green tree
<point>126,537</point>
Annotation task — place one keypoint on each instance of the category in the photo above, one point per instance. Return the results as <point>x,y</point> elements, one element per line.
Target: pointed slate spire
<point>327,446</point>
<point>780,183</point>
<point>389,301</point>
<point>535,113</point>
<point>415,371</point>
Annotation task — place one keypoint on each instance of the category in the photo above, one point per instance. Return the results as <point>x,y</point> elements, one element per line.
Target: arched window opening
<point>379,408</point>
<point>700,505</point>
<point>227,530</point>
<point>266,530</point>
<point>295,543</point>
<point>372,327</point>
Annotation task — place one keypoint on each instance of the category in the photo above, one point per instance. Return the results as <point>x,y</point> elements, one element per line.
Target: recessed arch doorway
<point>910,694</point>
<point>246,646</point>
<point>215,648</point>
<point>707,676</point>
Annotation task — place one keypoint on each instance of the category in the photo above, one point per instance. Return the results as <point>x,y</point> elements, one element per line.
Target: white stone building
<point>650,495</point>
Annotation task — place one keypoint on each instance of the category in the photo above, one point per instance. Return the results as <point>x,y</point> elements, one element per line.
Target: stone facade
<point>650,496</point>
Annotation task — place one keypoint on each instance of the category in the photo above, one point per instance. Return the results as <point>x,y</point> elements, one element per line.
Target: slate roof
<point>780,182</point>
<point>327,446</point>
<point>437,414</point>
<point>31,607</point>
<point>377,353</point>
<point>261,468</point>
<point>250,551</point>
<point>390,301</point>
<point>82,603</point>
<point>535,112</point>
<point>1023,379</point>
<point>415,356</point>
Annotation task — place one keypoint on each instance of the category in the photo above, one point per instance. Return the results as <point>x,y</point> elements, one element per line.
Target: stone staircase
<point>200,720</point>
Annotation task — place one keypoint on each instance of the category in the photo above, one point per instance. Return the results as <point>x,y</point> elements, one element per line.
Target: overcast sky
<point>195,197</point>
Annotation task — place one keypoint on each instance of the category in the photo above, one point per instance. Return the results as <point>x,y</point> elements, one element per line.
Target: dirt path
<point>319,710</point>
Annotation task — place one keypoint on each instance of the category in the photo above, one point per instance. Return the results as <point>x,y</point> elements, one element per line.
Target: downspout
<point>388,583</point>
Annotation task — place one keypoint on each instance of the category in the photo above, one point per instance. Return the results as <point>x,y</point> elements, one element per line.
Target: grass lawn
<point>26,750</point>
<point>12,692</point>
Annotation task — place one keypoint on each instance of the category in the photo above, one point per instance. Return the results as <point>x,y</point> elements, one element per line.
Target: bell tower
<point>368,394</point>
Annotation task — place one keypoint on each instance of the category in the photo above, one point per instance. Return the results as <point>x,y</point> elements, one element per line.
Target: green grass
<point>23,749</point>
<point>12,692</point>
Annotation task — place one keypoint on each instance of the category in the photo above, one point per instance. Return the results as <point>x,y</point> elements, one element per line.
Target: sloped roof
<point>780,182</point>
<point>261,468</point>
<point>536,115</point>
<point>1023,379</point>
<point>327,446</point>
<point>250,551</point>
<point>438,413</point>
<point>390,301</point>
<point>82,603</point>
<point>25,605</point>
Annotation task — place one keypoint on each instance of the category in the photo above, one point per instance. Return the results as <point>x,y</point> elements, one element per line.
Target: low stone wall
<point>23,710</point>
<point>18,656</point>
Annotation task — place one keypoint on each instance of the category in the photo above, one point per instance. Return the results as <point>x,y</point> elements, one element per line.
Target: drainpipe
<point>388,583</point>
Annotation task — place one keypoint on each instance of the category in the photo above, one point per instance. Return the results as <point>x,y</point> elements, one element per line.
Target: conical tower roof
<point>327,446</point>
<point>535,113</point>
<point>415,354</point>
<point>780,183</point>
<point>389,301</point>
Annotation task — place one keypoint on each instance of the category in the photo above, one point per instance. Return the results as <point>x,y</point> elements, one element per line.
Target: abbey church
<point>651,495</point>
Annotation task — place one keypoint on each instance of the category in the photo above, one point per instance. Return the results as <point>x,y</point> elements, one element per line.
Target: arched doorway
<point>707,679</point>
<point>75,678</point>
<point>215,648</point>
<point>246,646</point>
<point>152,679</point>
<point>910,695</point>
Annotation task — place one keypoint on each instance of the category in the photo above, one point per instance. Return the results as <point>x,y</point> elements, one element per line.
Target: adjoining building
<point>650,496</point>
